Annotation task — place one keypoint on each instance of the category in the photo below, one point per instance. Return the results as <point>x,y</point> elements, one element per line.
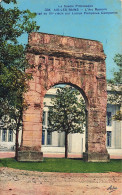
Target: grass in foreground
<point>64,165</point>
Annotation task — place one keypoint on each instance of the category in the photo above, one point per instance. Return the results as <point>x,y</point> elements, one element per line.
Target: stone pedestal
<point>96,157</point>
<point>32,156</point>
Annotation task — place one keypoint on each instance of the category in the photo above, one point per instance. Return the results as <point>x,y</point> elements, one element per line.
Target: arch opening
<point>54,141</point>
<point>63,84</point>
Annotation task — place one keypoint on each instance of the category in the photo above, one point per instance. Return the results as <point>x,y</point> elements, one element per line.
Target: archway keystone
<point>58,59</point>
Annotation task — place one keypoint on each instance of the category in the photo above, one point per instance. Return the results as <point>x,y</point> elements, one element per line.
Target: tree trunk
<point>17,138</point>
<point>17,143</point>
<point>66,145</point>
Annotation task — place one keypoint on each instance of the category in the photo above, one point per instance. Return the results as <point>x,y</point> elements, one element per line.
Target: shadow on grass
<point>76,159</point>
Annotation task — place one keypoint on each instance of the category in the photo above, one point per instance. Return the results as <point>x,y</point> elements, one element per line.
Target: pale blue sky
<point>104,28</point>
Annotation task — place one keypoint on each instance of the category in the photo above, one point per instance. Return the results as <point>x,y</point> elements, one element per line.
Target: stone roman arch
<point>59,59</point>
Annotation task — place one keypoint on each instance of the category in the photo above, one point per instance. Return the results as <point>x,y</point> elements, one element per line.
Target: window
<point>43,137</point>
<point>46,134</point>
<point>109,118</point>
<point>49,137</point>
<point>46,137</point>
<point>48,123</point>
<point>4,135</point>
<point>44,118</point>
<point>108,138</point>
<point>10,136</point>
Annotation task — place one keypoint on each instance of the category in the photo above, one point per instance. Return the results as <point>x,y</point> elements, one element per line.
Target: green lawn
<point>64,165</point>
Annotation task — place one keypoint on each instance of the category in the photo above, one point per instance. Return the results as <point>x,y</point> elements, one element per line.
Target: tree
<point>67,113</point>
<point>116,87</point>
<point>13,78</point>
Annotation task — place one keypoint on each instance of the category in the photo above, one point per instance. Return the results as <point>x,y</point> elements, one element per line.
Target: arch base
<point>31,156</point>
<point>96,157</point>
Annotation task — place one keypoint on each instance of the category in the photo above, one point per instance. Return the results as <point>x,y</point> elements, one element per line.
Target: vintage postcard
<point>72,105</point>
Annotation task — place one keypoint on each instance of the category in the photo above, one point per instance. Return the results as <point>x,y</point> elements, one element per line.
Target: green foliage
<point>13,78</point>
<point>67,113</point>
<point>118,116</point>
<point>117,80</point>
<point>64,165</point>
<point>115,97</point>
<point>9,1</point>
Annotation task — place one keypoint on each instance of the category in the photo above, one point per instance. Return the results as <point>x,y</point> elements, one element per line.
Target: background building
<point>53,142</point>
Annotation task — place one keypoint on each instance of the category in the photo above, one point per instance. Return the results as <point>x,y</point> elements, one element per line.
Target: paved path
<point>20,182</point>
<point>54,155</point>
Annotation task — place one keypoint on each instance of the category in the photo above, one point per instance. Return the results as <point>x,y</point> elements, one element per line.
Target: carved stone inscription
<point>66,64</point>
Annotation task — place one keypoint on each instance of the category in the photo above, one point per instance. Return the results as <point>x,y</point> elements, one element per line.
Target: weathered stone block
<point>96,157</point>
<point>34,98</point>
<point>32,86</point>
<point>38,88</point>
<point>32,156</point>
<point>31,144</point>
<point>33,117</point>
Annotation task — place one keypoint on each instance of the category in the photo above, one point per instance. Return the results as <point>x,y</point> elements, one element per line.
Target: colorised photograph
<point>60,97</point>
